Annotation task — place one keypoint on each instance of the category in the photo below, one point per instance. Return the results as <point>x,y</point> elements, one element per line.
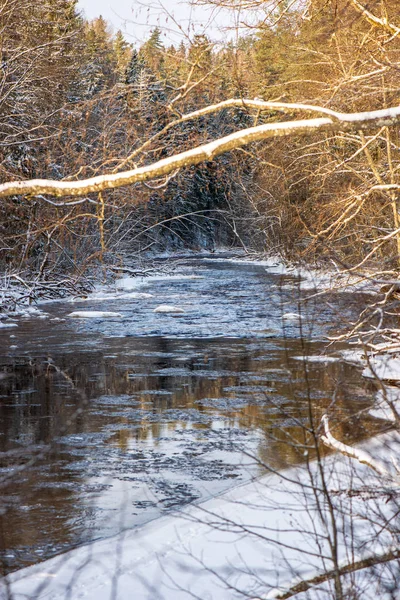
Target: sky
<point>136,18</point>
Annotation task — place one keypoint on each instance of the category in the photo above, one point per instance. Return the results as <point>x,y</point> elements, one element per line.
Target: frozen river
<point>126,418</point>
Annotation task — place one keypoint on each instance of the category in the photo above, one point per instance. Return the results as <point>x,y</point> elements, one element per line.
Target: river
<point>123,419</point>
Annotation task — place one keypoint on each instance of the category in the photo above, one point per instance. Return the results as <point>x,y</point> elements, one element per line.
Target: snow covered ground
<point>385,367</point>
<point>387,405</point>
<point>251,541</point>
<point>308,278</point>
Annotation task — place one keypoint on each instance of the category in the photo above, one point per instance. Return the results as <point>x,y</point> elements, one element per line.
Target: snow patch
<point>383,367</point>
<point>386,399</point>
<point>356,357</point>
<point>317,358</point>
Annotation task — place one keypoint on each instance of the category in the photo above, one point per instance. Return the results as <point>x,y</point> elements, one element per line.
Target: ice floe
<point>292,317</point>
<point>168,308</point>
<point>31,311</point>
<point>118,296</point>
<point>132,283</point>
<point>317,358</point>
<point>136,296</point>
<point>94,314</point>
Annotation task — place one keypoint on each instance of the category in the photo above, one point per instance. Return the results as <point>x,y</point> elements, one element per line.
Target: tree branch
<point>371,18</point>
<point>337,122</point>
<point>306,584</point>
<point>360,455</point>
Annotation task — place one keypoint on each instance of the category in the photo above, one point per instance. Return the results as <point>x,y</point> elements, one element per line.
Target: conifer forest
<point>80,101</point>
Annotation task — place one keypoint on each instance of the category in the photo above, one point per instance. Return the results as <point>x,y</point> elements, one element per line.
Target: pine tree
<point>122,52</point>
<point>100,63</point>
<point>153,53</point>
<point>134,68</point>
<point>145,90</point>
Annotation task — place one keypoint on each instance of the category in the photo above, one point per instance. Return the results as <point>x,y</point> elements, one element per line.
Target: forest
<point>77,100</point>
<point>199,309</point>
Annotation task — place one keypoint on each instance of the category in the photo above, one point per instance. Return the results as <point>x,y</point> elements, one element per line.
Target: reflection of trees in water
<point>40,400</point>
<point>34,402</point>
<point>261,390</point>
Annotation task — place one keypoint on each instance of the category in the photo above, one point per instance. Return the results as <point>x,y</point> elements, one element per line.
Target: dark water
<point>108,423</point>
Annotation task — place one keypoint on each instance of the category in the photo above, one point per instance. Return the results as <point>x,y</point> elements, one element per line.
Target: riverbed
<point>124,419</point>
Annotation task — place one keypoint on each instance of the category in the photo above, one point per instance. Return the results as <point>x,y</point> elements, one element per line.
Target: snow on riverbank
<point>254,539</point>
<point>385,367</point>
<point>307,278</point>
<point>17,302</point>
<point>387,404</point>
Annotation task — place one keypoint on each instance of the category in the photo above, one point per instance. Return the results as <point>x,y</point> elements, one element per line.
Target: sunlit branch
<point>371,18</point>
<point>359,455</point>
<point>307,584</point>
<point>206,152</point>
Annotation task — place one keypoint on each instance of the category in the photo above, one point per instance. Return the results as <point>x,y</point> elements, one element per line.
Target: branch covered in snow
<point>334,122</point>
<point>360,455</point>
<point>306,584</point>
<point>374,20</point>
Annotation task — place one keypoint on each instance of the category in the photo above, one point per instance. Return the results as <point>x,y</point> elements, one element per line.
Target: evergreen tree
<point>153,53</point>
<point>134,68</point>
<point>122,52</point>
<point>145,92</point>
<point>100,63</point>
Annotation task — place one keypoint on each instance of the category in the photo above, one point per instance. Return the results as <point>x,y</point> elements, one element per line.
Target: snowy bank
<point>387,404</point>
<point>385,367</point>
<point>253,539</point>
<point>307,278</point>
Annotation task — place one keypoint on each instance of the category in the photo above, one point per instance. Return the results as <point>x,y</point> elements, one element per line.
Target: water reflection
<point>134,435</point>
<point>107,424</point>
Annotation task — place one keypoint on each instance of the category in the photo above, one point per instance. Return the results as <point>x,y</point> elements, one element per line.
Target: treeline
<point>324,195</point>
<point>77,100</point>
